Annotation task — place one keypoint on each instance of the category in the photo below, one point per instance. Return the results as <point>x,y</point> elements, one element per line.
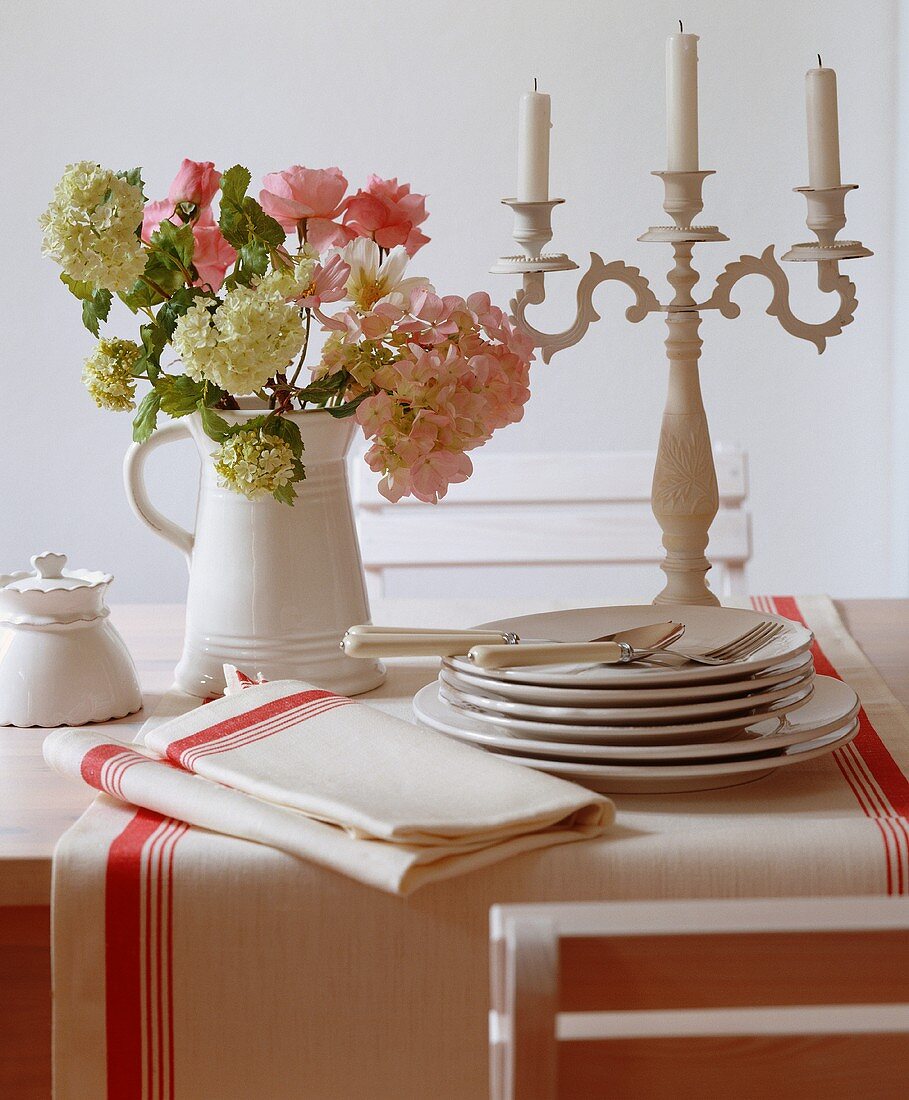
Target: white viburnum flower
<point>251,336</point>
<point>371,282</point>
<point>254,463</point>
<point>107,374</point>
<point>90,227</point>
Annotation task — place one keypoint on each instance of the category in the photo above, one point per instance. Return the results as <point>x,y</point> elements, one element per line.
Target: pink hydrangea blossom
<point>196,182</point>
<point>308,201</point>
<point>457,371</point>
<point>389,213</point>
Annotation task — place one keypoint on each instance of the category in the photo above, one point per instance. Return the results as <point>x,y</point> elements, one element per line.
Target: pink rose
<point>212,255</point>
<point>388,213</point>
<point>196,182</point>
<point>307,200</point>
<point>155,213</point>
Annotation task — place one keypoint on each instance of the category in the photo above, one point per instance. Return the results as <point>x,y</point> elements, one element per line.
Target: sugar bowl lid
<point>49,593</point>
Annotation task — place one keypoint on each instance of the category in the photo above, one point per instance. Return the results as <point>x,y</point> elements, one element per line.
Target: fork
<point>504,656</point>
<point>738,649</point>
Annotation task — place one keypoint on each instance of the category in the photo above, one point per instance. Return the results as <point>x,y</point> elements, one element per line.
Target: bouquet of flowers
<point>234,296</point>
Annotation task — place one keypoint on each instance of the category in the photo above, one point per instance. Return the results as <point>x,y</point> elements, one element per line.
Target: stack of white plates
<point>648,728</point>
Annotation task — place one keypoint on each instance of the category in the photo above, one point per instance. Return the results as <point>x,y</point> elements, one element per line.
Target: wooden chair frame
<point>804,998</point>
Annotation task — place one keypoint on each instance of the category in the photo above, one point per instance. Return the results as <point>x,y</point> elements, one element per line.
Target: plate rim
<point>734,705</point>
<point>553,749</point>
<point>719,689</point>
<point>832,741</point>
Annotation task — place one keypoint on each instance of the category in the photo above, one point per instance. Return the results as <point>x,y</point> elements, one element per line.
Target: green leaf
<point>262,225</point>
<point>95,303</point>
<point>234,185</point>
<point>179,395</point>
<point>289,431</point>
<point>134,176</point>
<point>140,296</point>
<point>146,418</point>
<point>242,219</point>
<point>252,260</point>
<point>214,426</point>
<point>285,494</point>
<point>95,309</point>
<point>154,341</point>
<point>175,241</point>
<point>339,412</point>
<point>174,308</point>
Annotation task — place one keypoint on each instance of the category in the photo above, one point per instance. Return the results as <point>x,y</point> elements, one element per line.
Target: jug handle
<point>136,494</point>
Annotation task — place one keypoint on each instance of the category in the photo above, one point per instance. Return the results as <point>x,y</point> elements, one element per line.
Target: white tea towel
<point>356,790</point>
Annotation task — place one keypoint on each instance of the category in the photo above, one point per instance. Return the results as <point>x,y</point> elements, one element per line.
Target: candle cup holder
<point>683,202</point>
<point>826,217</point>
<point>684,498</point>
<point>533,231</point>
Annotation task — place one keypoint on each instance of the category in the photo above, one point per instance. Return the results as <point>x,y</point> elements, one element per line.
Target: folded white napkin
<point>343,784</point>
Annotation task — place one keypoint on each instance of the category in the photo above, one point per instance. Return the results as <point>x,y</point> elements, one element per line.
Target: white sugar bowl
<point>62,663</point>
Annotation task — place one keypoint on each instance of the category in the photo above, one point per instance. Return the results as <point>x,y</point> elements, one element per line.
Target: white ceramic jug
<point>272,588</point>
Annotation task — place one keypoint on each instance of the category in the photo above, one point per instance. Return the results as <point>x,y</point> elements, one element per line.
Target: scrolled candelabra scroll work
<point>830,281</point>
<point>684,496</point>
<point>533,292</point>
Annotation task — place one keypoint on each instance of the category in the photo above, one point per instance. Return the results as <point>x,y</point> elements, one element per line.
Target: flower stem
<point>302,358</point>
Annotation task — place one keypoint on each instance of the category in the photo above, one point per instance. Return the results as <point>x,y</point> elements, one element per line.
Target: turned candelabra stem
<point>684,497</point>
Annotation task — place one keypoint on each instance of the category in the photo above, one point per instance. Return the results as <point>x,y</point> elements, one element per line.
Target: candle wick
<point>681,28</point>
<point>820,64</point>
<point>534,83</point>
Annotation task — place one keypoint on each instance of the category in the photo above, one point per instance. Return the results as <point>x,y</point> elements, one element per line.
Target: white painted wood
<point>547,509</point>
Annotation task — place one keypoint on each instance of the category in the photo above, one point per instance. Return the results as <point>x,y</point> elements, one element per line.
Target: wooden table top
<point>37,805</point>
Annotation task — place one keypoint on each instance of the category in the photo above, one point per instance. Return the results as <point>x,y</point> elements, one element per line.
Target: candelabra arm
<point>829,281</point>
<point>533,292</point>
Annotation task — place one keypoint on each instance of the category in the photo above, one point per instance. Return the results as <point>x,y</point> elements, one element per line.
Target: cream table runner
<point>196,966</point>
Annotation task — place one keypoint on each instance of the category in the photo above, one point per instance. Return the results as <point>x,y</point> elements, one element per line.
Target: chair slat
<point>838,1067</point>
<point>732,970</point>
<point>518,535</point>
<point>609,477</point>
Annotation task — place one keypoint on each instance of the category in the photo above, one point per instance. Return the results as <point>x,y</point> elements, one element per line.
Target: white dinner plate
<point>640,712</point>
<point>705,628</point>
<point>832,706</point>
<point>650,693</point>
<point>431,709</point>
<point>673,778</point>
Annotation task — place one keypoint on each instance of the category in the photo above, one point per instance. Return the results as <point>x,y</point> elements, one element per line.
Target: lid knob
<point>49,566</point>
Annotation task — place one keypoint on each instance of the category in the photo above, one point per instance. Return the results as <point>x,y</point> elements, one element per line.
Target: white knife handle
<point>368,628</point>
<point>560,653</point>
<point>416,645</point>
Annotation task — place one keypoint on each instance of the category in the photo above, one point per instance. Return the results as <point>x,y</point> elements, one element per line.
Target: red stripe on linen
<point>265,729</point>
<point>94,760</point>
<point>240,722</point>
<point>123,956</point>
<point>873,751</point>
<point>170,956</point>
<point>873,758</point>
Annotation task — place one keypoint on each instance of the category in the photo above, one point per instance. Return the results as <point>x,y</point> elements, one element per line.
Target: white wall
<point>428,91</point>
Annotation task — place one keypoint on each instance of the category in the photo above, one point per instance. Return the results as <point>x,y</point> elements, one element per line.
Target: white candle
<point>682,102</point>
<point>823,128</point>
<point>533,146</point>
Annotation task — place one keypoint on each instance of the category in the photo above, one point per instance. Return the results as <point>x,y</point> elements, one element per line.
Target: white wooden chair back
<point>804,998</point>
<point>545,509</point>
